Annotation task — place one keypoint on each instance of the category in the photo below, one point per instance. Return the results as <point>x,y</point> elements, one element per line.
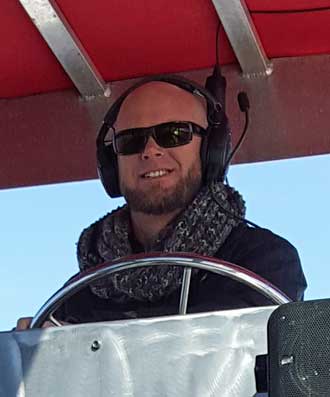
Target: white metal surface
<point>200,355</point>
<point>241,32</point>
<point>55,29</point>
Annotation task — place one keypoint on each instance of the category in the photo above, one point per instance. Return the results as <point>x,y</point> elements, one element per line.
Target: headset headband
<point>181,82</point>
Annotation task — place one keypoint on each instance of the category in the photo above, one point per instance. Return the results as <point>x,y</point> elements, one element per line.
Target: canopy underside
<point>48,130</point>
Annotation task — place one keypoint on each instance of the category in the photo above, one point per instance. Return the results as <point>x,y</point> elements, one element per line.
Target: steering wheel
<point>187,261</point>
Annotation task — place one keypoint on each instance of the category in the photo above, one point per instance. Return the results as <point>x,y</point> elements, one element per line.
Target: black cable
<point>232,214</point>
<point>240,141</point>
<point>217,45</point>
<point>301,11</point>
<point>244,106</point>
<point>228,162</point>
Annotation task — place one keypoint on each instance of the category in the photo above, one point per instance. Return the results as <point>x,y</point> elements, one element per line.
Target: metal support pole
<point>242,34</point>
<point>56,31</point>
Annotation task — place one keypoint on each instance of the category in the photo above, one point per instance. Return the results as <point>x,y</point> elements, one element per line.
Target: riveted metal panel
<point>206,354</point>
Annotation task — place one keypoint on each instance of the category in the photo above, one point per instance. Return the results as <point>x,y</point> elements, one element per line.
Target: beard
<point>151,284</point>
<point>160,201</point>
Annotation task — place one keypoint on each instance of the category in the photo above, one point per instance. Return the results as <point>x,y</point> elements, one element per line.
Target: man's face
<point>159,180</point>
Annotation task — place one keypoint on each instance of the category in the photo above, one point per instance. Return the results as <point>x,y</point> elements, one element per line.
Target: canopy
<point>60,60</point>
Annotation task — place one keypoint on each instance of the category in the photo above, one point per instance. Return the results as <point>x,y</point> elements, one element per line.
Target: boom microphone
<point>243,101</point>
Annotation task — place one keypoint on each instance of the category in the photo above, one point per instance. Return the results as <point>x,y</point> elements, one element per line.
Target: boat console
<point>204,354</point>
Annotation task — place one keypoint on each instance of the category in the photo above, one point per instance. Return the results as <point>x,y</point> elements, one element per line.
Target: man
<point>170,209</point>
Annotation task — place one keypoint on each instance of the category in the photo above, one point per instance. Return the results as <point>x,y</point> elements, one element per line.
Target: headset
<point>216,145</point>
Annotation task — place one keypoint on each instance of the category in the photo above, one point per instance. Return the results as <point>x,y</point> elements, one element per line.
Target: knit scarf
<point>201,228</point>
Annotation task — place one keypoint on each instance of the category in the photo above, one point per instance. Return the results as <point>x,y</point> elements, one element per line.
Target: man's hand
<point>23,323</point>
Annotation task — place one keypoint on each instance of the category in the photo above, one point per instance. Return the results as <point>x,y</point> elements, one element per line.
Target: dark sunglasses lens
<point>166,135</point>
<point>129,143</point>
<point>171,135</point>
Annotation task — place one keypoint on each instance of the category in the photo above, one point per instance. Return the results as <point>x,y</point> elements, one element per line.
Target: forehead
<point>159,102</point>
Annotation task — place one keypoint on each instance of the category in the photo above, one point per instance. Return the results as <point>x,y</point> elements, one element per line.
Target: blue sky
<point>40,226</point>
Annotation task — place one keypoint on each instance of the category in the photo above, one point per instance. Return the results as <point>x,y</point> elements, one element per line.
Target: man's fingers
<point>48,324</point>
<point>23,323</point>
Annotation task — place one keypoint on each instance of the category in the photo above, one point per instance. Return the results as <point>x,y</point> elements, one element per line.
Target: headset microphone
<point>244,106</point>
<point>243,101</point>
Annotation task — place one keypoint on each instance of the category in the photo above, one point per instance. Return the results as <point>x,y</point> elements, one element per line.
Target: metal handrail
<point>188,261</point>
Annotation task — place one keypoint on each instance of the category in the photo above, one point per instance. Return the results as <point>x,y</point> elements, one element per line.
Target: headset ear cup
<point>107,167</point>
<point>217,152</point>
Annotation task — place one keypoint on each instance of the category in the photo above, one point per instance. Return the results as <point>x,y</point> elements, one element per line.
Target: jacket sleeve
<point>271,257</point>
<point>262,252</point>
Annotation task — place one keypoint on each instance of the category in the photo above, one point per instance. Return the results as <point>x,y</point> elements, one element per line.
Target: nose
<point>152,149</point>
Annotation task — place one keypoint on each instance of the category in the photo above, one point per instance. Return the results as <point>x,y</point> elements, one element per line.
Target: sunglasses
<point>166,135</point>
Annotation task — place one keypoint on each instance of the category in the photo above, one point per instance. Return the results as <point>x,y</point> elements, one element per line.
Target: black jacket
<point>256,249</point>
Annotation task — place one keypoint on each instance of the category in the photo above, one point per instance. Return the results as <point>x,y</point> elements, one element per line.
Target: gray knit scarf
<point>201,228</point>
